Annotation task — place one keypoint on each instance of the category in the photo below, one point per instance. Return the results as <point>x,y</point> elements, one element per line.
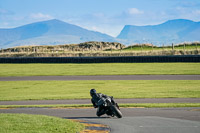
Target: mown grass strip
<point>51,90</point>
<point>22,123</point>
<point>127,105</point>
<point>99,69</point>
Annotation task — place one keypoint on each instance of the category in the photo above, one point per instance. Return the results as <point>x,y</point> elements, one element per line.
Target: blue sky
<point>106,16</point>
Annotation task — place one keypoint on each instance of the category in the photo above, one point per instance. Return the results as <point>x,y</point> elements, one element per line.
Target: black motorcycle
<point>111,108</point>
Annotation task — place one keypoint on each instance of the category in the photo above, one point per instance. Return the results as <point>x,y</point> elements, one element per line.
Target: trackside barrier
<point>121,59</point>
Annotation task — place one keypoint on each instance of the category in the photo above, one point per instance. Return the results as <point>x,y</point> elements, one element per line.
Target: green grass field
<point>22,123</point>
<point>43,90</point>
<point>99,69</point>
<point>150,48</point>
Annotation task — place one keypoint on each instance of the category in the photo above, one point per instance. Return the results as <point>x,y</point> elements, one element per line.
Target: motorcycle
<point>111,108</point>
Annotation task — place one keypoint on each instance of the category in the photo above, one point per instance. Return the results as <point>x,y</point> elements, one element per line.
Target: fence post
<point>196,47</point>
<point>184,46</point>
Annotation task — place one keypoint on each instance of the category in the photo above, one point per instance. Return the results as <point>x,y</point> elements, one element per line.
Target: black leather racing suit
<point>95,98</point>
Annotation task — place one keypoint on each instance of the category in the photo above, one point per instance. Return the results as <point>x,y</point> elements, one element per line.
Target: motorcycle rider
<point>95,98</point>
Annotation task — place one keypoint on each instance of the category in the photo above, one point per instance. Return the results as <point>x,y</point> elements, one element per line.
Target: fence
<point>122,59</point>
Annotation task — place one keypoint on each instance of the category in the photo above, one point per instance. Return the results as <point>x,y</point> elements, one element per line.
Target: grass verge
<point>21,123</point>
<point>146,105</point>
<point>46,90</point>
<point>99,69</point>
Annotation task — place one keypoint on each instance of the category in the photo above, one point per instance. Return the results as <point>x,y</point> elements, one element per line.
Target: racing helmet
<point>92,92</point>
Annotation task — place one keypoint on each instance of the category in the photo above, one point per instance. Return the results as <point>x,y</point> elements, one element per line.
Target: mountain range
<point>172,31</point>
<point>54,32</point>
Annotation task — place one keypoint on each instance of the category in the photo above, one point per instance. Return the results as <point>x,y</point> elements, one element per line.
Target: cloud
<point>189,4</point>
<point>197,12</point>
<point>98,15</point>
<point>102,22</point>
<point>186,13</point>
<point>134,11</point>
<point>5,12</point>
<point>5,17</point>
<point>40,16</point>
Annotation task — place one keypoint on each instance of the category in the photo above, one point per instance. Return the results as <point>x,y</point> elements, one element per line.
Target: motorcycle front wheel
<point>116,111</point>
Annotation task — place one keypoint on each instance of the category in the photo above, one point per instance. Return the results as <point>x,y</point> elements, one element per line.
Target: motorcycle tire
<point>116,111</point>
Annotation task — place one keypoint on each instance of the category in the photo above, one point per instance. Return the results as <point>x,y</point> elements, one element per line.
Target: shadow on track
<point>86,117</point>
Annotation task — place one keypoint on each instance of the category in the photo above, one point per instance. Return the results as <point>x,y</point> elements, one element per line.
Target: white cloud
<point>40,16</point>
<point>186,13</point>
<point>134,11</point>
<point>197,12</point>
<point>5,12</point>
<point>98,15</point>
<point>112,30</point>
<point>94,28</point>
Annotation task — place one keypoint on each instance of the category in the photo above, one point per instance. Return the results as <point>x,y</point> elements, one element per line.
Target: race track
<point>135,120</point>
<point>88,101</point>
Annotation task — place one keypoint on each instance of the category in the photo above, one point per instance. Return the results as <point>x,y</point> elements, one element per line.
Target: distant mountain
<point>172,31</point>
<point>49,32</point>
<point>54,32</point>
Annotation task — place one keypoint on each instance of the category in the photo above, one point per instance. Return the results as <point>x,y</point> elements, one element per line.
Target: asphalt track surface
<point>105,77</point>
<point>135,120</point>
<point>88,101</point>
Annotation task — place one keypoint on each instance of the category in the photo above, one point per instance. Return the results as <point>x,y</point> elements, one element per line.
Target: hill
<point>172,31</point>
<point>56,32</point>
<point>51,32</point>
